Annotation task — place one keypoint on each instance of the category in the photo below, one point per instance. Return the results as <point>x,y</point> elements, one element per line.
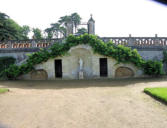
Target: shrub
<point>5,62</point>
<point>152,68</point>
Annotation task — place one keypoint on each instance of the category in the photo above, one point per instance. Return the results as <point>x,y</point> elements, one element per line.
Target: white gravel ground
<point>81,104</point>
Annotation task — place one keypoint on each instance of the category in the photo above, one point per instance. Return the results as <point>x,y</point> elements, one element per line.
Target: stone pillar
<point>69,28</point>
<point>34,44</point>
<point>91,26</point>
<point>130,41</point>
<point>156,41</point>
<point>9,44</point>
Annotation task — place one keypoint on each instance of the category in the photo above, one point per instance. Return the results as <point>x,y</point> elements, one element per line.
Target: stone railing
<point>116,40</point>
<point>139,42</point>
<point>12,44</point>
<point>136,42</point>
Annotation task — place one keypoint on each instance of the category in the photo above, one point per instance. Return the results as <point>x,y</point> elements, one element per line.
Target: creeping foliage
<point>152,68</point>
<point>5,62</point>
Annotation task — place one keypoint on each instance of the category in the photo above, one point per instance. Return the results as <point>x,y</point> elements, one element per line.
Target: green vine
<point>165,57</point>
<point>165,60</point>
<point>120,53</point>
<point>5,62</point>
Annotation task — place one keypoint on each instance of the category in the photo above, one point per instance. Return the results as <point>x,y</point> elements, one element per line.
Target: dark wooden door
<point>103,67</point>
<point>58,68</point>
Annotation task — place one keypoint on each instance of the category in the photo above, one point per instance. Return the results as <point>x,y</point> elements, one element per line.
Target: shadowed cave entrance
<point>58,68</point>
<point>103,67</point>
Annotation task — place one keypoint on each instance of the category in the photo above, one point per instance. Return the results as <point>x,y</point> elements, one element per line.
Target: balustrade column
<point>33,44</point>
<point>9,44</point>
<point>156,40</point>
<point>130,41</point>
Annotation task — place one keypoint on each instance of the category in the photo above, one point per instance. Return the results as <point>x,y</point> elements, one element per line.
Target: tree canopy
<point>37,33</point>
<point>25,30</point>
<point>81,31</point>
<point>10,30</point>
<point>59,29</point>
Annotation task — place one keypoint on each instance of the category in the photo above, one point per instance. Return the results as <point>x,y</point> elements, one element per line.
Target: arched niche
<point>85,53</point>
<point>39,74</point>
<point>124,72</point>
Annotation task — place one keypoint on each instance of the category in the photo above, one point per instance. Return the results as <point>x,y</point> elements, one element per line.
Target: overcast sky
<point>112,17</point>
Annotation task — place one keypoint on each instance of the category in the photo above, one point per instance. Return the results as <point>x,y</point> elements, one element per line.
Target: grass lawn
<point>3,90</point>
<point>159,93</point>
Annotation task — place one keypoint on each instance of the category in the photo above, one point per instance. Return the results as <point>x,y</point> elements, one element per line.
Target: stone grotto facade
<point>82,63</point>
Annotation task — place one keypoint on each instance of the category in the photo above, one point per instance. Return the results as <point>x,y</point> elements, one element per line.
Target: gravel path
<point>81,104</point>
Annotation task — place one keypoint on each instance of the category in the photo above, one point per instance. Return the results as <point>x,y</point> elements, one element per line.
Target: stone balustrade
<point>137,42</point>
<point>28,43</point>
<point>116,40</point>
<point>140,42</point>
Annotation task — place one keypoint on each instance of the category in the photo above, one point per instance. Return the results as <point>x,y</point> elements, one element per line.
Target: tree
<point>3,18</point>
<point>76,19</point>
<point>9,29</point>
<point>59,29</point>
<point>49,33</point>
<point>6,27</point>
<point>63,31</point>
<point>37,33</point>
<point>64,20</point>
<point>25,30</point>
<point>56,29</point>
<point>81,31</point>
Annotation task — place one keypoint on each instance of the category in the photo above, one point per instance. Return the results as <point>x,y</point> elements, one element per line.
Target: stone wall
<point>91,66</point>
<point>91,61</point>
<point>151,54</point>
<point>19,56</point>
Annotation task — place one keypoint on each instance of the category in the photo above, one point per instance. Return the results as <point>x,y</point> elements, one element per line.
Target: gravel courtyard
<point>81,104</point>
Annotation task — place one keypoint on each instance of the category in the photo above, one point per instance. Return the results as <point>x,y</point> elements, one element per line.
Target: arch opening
<point>124,72</point>
<point>39,74</point>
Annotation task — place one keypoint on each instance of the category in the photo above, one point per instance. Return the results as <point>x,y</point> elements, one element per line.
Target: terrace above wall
<point>134,42</point>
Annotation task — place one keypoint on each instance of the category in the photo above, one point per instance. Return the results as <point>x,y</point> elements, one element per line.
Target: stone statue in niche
<point>80,64</point>
<point>81,75</point>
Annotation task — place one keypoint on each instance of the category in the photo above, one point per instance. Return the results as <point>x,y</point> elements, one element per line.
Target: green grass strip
<point>158,93</point>
<point>3,90</point>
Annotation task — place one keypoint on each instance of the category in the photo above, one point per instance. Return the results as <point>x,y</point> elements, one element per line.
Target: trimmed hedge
<point>120,53</point>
